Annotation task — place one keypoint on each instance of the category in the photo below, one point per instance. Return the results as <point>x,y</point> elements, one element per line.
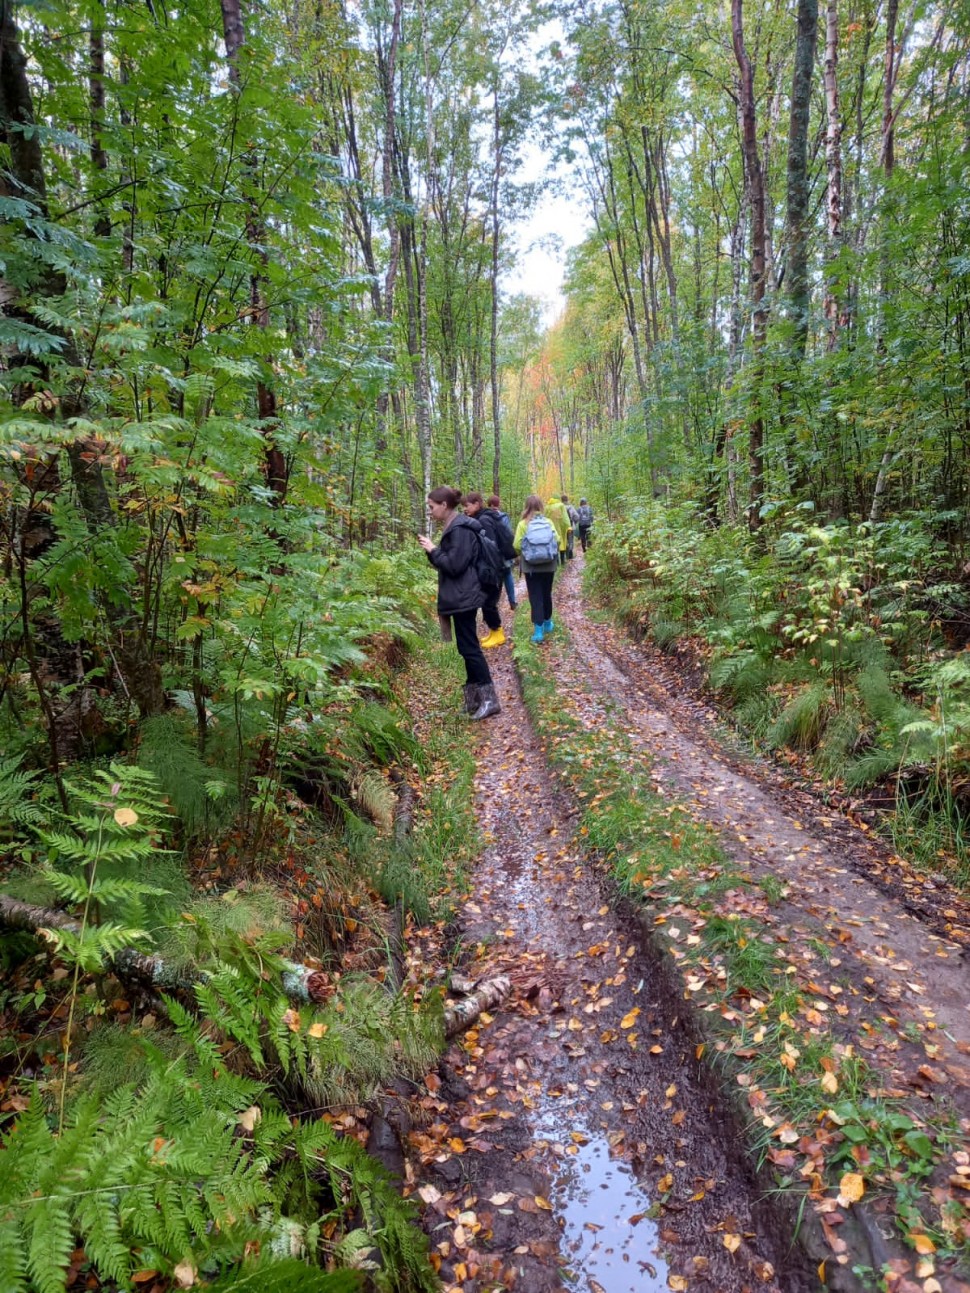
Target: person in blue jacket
<point>460,593</point>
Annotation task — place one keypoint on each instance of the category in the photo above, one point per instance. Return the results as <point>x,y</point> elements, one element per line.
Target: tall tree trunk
<point>833,166</point>
<point>96,97</point>
<point>798,184</point>
<point>887,157</point>
<point>493,285</point>
<point>754,183</point>
<point>274,461</point>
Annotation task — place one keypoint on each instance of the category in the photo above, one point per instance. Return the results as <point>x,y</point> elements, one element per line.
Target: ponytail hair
<point>445,494</point>
<point>533,504</point>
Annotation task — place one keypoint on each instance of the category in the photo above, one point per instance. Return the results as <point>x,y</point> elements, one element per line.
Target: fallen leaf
<point>731,1242</point>
<point>128,817</point>
<point>851,1189</point>
<point>185,1274</point>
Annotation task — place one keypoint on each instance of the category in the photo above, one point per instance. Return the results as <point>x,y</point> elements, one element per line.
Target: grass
<point>805,1085</point>
<point>445,841</point>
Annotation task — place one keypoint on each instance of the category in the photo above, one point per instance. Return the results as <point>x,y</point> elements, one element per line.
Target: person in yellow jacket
<point>557,514</point>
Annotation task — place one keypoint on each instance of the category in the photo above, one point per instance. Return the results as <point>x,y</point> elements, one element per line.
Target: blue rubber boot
<point>548,626</point>
<point>537,634</point>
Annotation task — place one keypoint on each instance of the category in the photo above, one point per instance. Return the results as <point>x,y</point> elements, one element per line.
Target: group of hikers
<point>476,558</point>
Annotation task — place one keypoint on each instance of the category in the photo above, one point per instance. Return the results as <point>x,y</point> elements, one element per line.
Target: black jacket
<point>455,560</point>
<point>496,527</point>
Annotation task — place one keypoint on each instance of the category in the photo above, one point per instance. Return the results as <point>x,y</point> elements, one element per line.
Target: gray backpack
<point>540,542</point>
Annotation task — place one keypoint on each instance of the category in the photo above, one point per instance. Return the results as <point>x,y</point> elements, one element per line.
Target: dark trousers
<point>490,611</point>
<point>540,595</point>
<point>584,536</point>
<point>466,640</point>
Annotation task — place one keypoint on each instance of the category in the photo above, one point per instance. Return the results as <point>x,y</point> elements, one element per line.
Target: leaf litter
<point>879,976</point>
<point>571,1139</point>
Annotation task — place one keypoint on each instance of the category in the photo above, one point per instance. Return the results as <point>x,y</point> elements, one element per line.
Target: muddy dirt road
<point>576,1142</point>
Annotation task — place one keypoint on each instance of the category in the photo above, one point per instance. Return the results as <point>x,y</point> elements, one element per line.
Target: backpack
<point>497,525</point>
<point>585,515</point>
<point>540,542</point>
<point>489,565</point>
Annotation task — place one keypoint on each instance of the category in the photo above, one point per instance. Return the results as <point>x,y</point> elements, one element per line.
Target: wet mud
<point>604,1161</point>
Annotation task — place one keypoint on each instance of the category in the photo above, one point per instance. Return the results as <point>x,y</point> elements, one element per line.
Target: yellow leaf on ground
<point>851,1189</point>
<point>923,1244</point>
<point>732,1242</point>
<point>830,1083</point>
<point>630,1019</point>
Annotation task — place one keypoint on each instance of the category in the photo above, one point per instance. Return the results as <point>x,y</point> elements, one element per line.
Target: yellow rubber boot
<point>495,638</point>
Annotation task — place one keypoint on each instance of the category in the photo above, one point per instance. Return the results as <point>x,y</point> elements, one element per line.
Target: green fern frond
<point>48,1222</point>
<point>13,1256</point>
<point>18,809</point>
<point>287,1275</point>
<point>742,674</point>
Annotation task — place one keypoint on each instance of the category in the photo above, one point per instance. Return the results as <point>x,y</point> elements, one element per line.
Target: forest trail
<point>839,881</point>
<point>578,1143</point>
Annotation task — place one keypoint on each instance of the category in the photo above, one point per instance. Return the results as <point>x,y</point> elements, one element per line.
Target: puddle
<point>609,1244</point>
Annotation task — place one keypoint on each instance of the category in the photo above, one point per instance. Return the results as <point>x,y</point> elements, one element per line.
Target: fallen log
<point>464,1013</point>
<point>301,983</point>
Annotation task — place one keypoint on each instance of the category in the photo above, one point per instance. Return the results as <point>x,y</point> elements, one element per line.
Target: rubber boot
<point>537,634</point>
<point>495,638</point>
<point>472,699</point>
<point>548,626</point>
<point>489,702</point>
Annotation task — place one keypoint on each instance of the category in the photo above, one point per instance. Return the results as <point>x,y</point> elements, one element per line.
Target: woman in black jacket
<point>460,593</point>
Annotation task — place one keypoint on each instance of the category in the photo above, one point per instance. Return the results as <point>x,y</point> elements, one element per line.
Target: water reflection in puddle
<point>608,1244</point>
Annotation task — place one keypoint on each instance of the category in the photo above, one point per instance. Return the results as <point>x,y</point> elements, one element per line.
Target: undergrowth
<point>250,1180</point>
<point>822,639</point>
<point>811,1111</point>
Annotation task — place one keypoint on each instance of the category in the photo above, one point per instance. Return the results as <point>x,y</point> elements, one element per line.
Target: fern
<point>803,720</point>
<point>742,674</point>
<point>18,808</point>
<point>846,733</point>
<point>169,750</point>
<point>113,829</point>
<point>164,1165</point>
<point>286,1276</point>
<point>210,925</point>
<point>665,631</point>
